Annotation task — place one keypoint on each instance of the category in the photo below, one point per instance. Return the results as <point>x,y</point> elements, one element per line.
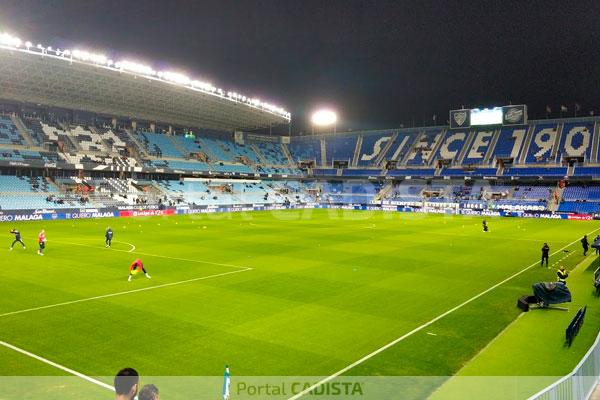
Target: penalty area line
<point>57,366</point>
<point>425,325</point>
<point>105,296</point>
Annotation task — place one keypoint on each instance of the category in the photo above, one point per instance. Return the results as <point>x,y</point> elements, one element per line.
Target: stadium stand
<point>540,153</point>
<point>421,153</point>
<point>373,146</point>
<point>537,171</point>
<point>158,145</point>
<point>9,133</point>
<point>305,149</point>
<point>272,153</point>
<point>509,141</point>
<point>340,148</point>
<point>541,148</point>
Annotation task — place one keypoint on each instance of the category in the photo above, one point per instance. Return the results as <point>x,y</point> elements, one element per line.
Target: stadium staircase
<point>52,182</point>
<point>555,146</point>
<point>260,155</point>
<point>22,129</point>
<point>500,170</point>
<point>381,157</point>
<point>436,146</point>
<point>206,150</point>
<point>492,147</point>
<point>141,151</point>
<point>73,143</point>
<point>410,150</point>
<point>179,147</point>
<point>384,192</point>
<point>556,198</point>
<point>323,153</point>
<point>527,143</point>
<point>466,147</point>
<point>595,140</point>
<point>288,155</point>
<point>105,144</point>
<point>356,156</point>
<point>387,148</point>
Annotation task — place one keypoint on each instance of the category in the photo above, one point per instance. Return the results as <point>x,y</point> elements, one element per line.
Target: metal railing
<point>579,384</point>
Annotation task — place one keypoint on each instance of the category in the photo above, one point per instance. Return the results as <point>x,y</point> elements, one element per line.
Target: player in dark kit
<point>585,245</point>
<point>108,236</point>
<point>562,274</point>
<point>545,254</point>
<point>17,239</point>
<point>135,268</point>
<point>484,225</point>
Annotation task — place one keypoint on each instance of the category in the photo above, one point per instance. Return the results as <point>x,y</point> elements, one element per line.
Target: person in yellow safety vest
<point>562,274</point>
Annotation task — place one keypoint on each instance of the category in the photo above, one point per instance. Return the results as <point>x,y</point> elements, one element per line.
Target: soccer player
<point>149,392</point>
<point>126,384</point>
<point>17,239</point>
<point>545,254</point>
<point>136,267</point>
<point>108,236</point>
<point>485,227</point>
<point>562,274</point>
<point>42,242</point>
<point>585,244</point>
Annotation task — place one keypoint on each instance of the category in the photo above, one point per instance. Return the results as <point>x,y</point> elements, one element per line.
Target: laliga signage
<point>507,115</point>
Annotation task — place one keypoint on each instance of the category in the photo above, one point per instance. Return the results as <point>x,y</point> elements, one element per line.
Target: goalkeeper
<point>135,268</point>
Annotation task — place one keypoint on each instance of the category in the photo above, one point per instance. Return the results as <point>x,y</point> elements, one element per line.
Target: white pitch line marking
<point>104,296</point>
<point>157,255</point>
<point>58,366</point>
<point>127,243</point>
<point>425,325</point>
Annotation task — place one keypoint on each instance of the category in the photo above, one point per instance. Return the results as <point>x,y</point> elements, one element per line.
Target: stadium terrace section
<point>544,166</point>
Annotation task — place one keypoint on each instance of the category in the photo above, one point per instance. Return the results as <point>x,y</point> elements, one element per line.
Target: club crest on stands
<point>460,117</point>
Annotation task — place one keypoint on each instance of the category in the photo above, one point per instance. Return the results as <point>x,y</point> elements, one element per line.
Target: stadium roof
<point>92,82</point>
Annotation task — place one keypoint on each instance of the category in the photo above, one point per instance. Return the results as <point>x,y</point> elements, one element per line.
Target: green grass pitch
<point>303,292</point>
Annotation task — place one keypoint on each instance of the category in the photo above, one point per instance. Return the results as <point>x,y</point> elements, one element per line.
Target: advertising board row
<point>88,213</point>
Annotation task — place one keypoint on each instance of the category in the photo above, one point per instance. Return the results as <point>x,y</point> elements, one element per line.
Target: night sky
<point>380,64</point>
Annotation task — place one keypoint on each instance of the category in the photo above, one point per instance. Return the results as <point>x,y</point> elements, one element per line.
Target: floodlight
<point>324,117</point>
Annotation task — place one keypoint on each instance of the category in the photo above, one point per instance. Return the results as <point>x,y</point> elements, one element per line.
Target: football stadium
<point>164,235</point>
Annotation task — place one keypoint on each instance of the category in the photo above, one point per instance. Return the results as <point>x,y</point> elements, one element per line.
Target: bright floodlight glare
<point>13,42</point>
<point>324,117</point>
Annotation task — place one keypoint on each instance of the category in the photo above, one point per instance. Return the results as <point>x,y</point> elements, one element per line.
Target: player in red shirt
<point>42,242</point>
<point>136,267</point>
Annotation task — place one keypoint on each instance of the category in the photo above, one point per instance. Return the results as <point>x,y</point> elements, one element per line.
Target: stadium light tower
<point>324,117</point>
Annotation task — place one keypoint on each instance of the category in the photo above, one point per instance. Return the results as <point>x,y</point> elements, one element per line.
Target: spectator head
<point>126,383</point>
<point>149,392</point>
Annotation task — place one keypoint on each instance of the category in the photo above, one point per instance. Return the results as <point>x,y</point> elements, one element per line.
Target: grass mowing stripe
<point>58,366</point>
<point>155,255</point>
<point>425,325</point>
<point>104,296</point>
